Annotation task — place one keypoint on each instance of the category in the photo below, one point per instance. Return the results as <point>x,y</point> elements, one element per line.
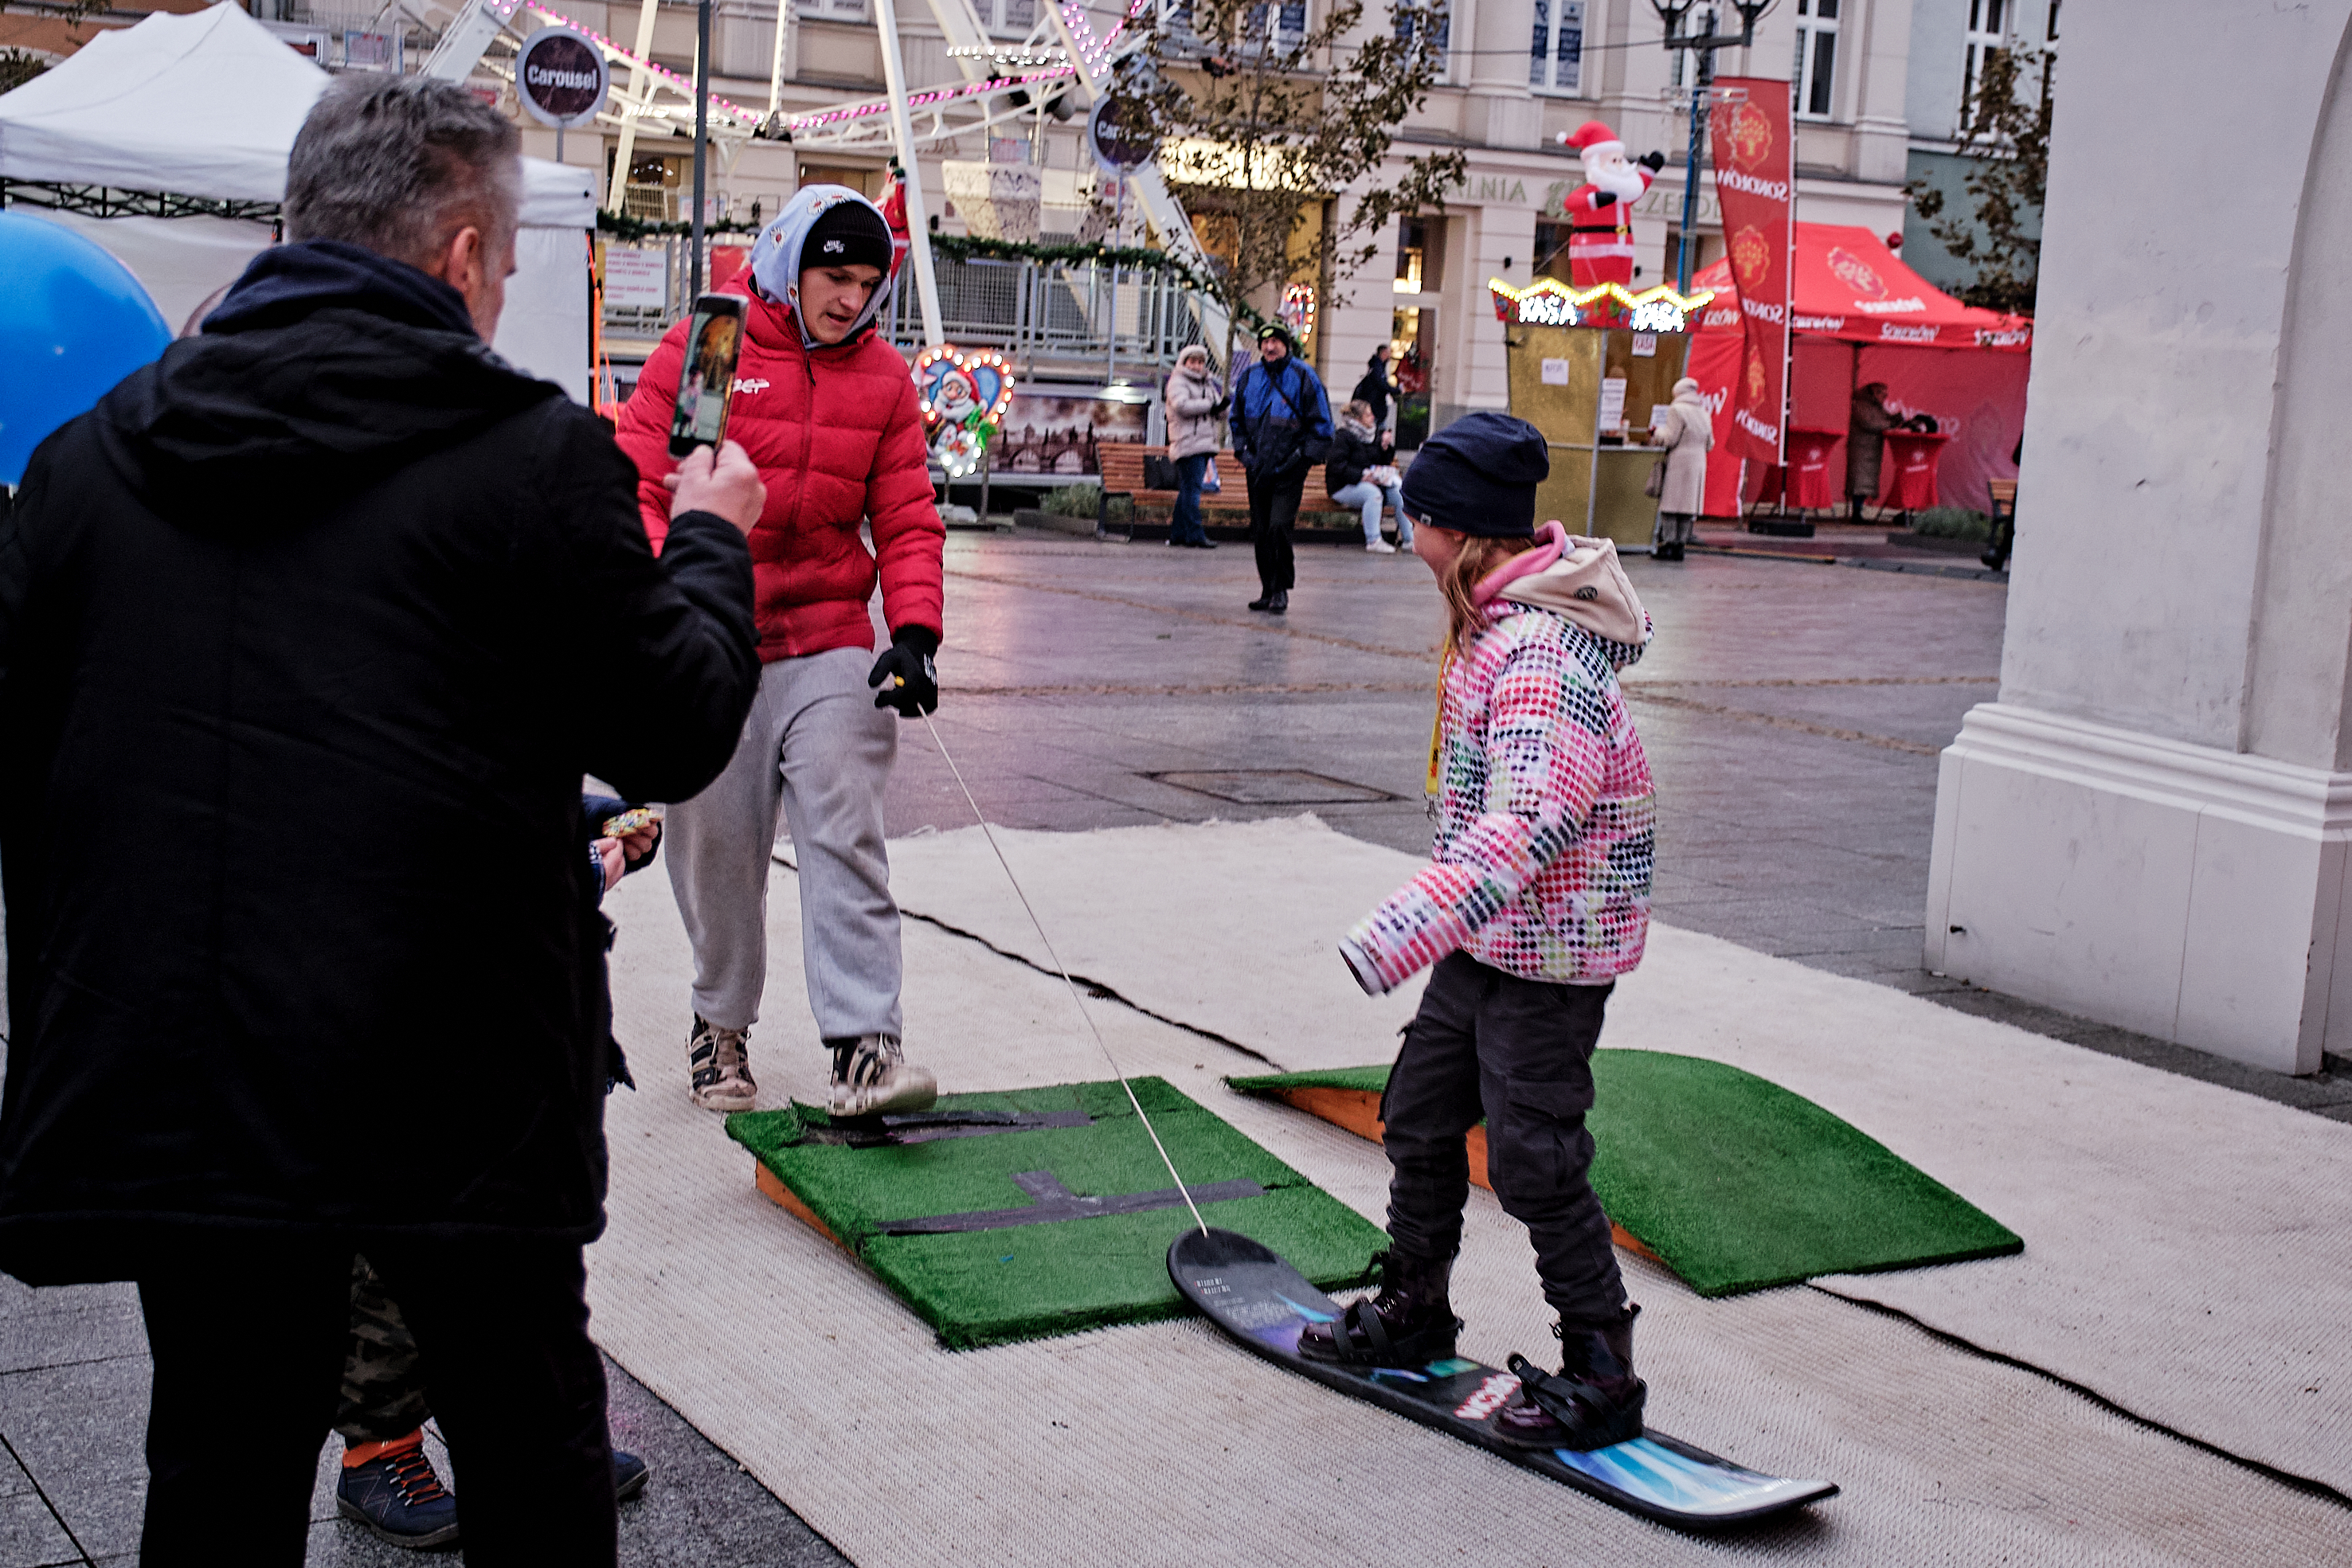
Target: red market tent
<point>1860,315</point>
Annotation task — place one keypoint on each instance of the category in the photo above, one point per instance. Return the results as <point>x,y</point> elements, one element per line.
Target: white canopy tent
<point>205,107</point>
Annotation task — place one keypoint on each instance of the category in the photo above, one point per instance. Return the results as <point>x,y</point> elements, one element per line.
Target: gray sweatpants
<point>816,747</point>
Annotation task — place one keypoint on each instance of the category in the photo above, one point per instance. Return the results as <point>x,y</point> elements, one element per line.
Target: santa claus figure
<point>1600,210</point>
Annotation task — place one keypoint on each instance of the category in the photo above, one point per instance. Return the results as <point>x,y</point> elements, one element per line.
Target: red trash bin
<point>1810,487</point>
<point>1912,458</point>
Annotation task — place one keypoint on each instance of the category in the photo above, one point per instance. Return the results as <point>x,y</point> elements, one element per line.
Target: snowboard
<point>1251,1293</point>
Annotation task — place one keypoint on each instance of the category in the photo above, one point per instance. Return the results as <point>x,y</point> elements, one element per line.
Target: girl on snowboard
<point>1536,899</point>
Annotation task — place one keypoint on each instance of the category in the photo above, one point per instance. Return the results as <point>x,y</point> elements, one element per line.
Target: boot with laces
<point>872,1077</point>
<point>1408,1323</point>
<point>1596,1400</point>
<point>390,1489</point>
<point>720,1062</point>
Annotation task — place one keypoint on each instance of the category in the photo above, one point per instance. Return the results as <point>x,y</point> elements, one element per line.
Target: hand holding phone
<point>725,482</point>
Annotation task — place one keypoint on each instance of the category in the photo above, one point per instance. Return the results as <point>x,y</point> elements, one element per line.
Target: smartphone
<point>706,383</point>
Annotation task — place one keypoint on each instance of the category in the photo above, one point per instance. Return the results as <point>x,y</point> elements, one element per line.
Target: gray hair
<point>398,166</point>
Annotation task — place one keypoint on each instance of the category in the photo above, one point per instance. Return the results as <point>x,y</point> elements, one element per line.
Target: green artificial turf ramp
<point>1001,1279</point>
<point>1735,1182</point>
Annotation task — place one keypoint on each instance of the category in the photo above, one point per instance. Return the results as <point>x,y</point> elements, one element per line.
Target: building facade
<point>1518,73</point>
<point>1949,41</point>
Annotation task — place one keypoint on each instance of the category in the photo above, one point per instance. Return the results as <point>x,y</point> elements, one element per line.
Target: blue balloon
<point>73,321</point>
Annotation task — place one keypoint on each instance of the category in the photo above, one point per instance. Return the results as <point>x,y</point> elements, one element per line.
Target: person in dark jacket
<point>1376,389</point>
<point>308,634</point>
<point>1282,428</point>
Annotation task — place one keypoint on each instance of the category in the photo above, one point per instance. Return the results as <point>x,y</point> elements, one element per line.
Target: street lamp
<point>1702,43</point>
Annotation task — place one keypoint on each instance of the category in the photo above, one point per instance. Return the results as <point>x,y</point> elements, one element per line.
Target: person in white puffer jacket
<point>1196,429</point>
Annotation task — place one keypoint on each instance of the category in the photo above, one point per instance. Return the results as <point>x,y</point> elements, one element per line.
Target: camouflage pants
<point>383,1380</point>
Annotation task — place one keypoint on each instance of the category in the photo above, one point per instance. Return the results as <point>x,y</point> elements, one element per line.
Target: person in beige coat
<point>1195,408</point>
<point>1686,433</point>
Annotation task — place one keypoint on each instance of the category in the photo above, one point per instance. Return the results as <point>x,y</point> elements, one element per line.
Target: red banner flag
<point>1756,185</point>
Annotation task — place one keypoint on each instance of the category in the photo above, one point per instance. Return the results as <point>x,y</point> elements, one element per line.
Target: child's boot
<point>1411,1320</point>
<point>1594,1401</point>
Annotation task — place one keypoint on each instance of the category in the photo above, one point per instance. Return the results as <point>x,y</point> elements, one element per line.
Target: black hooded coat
<point>308,633</point>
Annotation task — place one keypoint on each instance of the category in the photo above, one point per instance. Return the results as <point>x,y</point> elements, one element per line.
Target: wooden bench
<point>1122,475</point>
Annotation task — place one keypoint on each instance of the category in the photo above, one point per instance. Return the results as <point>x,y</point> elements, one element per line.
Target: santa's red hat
<point>1592,133</point>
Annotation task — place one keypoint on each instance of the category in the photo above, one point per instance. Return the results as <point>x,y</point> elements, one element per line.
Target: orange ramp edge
<point>1359,1111</point>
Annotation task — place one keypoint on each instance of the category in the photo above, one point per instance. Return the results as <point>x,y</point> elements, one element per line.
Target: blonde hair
<point>1358,409</point>
<point>1464,617</point>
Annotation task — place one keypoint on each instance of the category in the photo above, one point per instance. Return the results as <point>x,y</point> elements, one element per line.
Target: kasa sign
<point>561,77</point>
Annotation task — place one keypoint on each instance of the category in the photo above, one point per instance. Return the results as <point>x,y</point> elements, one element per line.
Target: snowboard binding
<point>1594,1401</point>
<point>1409,1324</point>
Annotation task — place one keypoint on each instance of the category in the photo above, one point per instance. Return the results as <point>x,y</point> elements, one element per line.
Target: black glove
<point>1217,409</point>
<point>1652,162</point>
<point>905,674</point>
<point>1604,199</point>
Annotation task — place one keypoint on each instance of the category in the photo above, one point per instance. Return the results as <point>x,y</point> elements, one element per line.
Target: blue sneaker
<point>395,1493</point>
<point>630,1474</point>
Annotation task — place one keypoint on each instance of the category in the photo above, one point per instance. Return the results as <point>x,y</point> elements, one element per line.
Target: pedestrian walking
<point>309,630</point>
<point>1867,422</point>
<point>1195,411</point>
<point>825,409</point>
<point>1355,476</point>
<point>1536,899</point>
<point>1375,390</point>
<point>1282,428</point>
<point>1686,434</point>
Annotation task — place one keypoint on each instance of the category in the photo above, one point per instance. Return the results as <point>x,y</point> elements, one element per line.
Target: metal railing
<point>1063,311</point>
<point>1035,312</point>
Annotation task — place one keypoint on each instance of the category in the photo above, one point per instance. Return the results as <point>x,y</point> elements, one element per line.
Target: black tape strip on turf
<point>1055,1202</point>
<point>926,1127</point>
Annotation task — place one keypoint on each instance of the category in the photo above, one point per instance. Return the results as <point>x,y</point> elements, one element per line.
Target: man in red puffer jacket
<point>828,411</point>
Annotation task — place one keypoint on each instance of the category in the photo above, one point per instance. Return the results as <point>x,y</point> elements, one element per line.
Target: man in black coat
<point>308,633</point>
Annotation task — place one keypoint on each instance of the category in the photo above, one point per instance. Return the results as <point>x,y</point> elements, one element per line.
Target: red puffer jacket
<point>863,459</point>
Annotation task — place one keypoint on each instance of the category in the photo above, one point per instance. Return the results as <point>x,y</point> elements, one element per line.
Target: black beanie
<point>847,233</point>
<point>1478,476</point>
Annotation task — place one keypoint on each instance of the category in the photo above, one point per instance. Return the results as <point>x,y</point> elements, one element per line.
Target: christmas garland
<point>623,226</point>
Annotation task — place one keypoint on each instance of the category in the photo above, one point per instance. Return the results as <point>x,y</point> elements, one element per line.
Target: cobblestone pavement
<point>1793,713</point>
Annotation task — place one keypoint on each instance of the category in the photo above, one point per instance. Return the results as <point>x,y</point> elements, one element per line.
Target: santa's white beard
<point>1619,178</point>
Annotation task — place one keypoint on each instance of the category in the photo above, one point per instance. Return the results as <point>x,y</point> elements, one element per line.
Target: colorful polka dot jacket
<point>1546,817</point>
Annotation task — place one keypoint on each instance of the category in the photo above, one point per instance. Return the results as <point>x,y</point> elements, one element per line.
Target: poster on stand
<point>1756,181</point>
<point>1061,430</point>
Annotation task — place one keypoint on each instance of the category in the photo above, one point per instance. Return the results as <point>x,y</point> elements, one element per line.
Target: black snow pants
<point>1517,1053</point>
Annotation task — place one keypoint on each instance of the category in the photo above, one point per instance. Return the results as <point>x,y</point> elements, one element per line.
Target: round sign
<point>561,77</point>
<point>1120,131</point>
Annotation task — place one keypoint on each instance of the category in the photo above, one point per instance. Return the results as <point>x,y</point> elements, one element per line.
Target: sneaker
<point>629,1475</point>
<point>720,1059</point>
<point>1379,547</point>
<point>391,1491</point>
<point>871,1076</point>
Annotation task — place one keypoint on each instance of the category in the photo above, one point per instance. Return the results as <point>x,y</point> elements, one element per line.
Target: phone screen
<point>706,382</point>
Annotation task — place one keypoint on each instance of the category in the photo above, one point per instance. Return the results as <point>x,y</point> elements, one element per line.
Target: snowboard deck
<point>1250,1292</point>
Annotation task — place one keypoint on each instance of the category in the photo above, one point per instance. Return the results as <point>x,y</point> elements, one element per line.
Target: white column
<point>919,230</point>
<point>2150,827</point>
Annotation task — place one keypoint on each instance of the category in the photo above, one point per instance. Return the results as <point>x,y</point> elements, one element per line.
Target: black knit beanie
<point>1478,476</point>
<point>846,234</point>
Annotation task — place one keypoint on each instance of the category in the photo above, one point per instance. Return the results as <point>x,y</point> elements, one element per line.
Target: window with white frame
<point>1555,56</point>
<point>1815,72</point>
<point>1434,18</point>
<point>1287,21</point>
<point>835,10</point>
<point>1988,32</point>
<point>1014,17</point>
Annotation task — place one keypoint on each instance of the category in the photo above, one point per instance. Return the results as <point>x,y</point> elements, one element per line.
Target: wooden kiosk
<point>1587,366</point>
